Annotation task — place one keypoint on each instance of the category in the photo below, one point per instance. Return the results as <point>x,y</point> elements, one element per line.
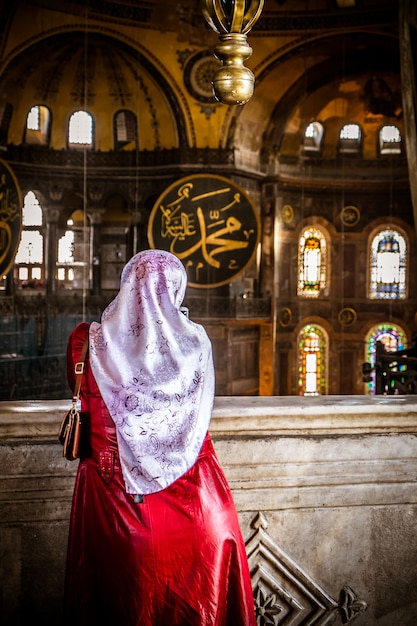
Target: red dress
<point>176,559</point>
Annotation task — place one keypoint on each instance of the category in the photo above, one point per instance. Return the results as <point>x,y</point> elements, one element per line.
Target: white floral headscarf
<point>154,369</point>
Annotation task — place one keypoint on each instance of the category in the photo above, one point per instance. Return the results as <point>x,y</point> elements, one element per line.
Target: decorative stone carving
<point>198,74</point>
<point>285,594</point>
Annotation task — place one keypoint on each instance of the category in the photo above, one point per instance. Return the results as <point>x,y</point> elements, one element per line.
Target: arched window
<point>38,123</point>
<point>313,137</point>
<point>125,129</point>
<point>73,254</point>
<point>29,263</point>
<point>312,253</point>
<point>389,140</point>
<point>391,336</point>
<point>350,139</point>
<point>33,119</point>
<point>66,257</point>
<point>388,265</point>
<point>312,357</point>
<point>80,131</point>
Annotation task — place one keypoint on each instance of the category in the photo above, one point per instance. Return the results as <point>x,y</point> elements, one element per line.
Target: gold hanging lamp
<point>233,83</point>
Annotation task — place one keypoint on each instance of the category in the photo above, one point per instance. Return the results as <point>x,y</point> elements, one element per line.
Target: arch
<point>32,211</point>
<point>343,60</point>
<point>125,129</point>
<point>73,252</point>
<point>312,342</point>
<point>392,336</point>
<point>350,138</point>
<point>312,262</point>
<point>388,264</point>
<point>123,65</point>
<point>389,139</point>
<point>29,262</point>
<point>81,129</point>
<point>38,125</point>
<point>313,137</point>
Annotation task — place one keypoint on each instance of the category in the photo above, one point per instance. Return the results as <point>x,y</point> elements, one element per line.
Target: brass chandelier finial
<point>233,83</point>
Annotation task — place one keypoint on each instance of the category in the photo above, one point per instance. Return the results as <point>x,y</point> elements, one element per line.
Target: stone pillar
<point>138,221</point>
<point>96,216</point>
<point>266,359</point>
<point>10,284</point>
<point>268,284</point>
<point>408,24</point>
<point>51,247</point>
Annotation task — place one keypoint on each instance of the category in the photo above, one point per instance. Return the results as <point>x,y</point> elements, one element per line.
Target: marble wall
<point>325,490</point>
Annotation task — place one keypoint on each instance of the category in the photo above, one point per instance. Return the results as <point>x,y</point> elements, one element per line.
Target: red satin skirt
<point>176,559</point>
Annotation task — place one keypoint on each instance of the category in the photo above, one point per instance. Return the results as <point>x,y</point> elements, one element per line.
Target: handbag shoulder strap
<point>79,369</point>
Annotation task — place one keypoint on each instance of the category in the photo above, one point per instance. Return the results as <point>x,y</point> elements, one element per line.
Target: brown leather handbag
<point>69,434</point>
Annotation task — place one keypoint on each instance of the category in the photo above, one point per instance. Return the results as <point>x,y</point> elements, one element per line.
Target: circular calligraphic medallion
<point>210,224</point>
<point>10,217</point>
<point>287,213</point>
<point>347,316</point>
<point>350,215</point>
<point>285,317</point>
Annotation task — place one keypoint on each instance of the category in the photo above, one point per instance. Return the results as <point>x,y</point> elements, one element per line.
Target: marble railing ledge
<point>31,420</point>
<point>245,416</point>
<point>296,415</point>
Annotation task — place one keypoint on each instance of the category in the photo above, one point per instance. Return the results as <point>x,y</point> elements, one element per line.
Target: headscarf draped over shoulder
<point>154,369</point>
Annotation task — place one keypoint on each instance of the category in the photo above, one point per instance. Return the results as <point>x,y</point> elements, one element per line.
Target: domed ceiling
<point>78,70</point>
<point>105,56</point>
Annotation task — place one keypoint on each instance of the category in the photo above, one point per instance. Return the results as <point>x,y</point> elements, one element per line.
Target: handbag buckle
<point>79,367</point>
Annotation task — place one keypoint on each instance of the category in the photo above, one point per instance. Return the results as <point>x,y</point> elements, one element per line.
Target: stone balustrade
<point>325,490</point>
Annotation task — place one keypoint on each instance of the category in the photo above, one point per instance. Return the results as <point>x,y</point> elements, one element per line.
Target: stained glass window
<point>388,264</point>
<point>312,354</point>
<point>311,263</point>
<point>391,336</point>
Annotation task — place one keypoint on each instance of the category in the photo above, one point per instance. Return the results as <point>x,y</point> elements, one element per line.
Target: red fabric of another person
<point>176,559</point>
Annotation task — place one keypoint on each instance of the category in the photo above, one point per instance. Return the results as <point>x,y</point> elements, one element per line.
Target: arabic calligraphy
<point>10,217</point>
<point>210,224</point>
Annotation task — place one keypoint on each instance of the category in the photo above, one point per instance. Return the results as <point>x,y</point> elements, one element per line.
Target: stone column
<point>51,247</point>
<point>268,282</point>
<point>138,223</point>
<point>95,216</point>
